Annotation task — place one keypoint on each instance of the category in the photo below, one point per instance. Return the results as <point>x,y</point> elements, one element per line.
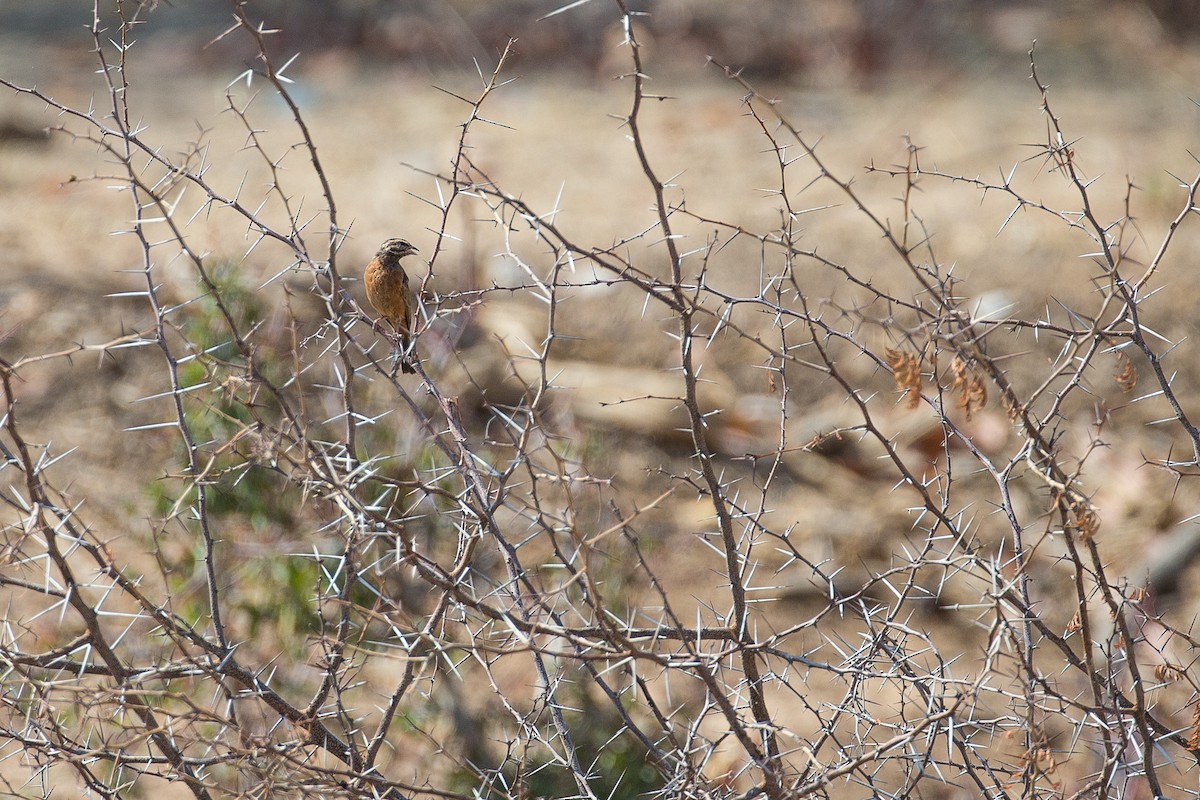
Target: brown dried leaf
<point>1168,673</point>
<point>906,368</point>
<point>959,368</point>
<point>1086,519</point>
<point>1011,408</point>
<point>973,397</point>
<point>972,392</point>
<point>1126,378</point>
<point>1193,740</point>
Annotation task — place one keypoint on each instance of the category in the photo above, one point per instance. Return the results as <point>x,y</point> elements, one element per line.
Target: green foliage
<point>252,503</point>
<point>617,764</point>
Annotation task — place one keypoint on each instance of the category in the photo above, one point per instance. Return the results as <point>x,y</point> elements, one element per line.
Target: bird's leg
<point>398,348</point>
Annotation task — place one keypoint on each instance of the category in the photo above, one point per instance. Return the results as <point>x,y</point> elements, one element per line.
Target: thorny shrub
<point>445,597</point>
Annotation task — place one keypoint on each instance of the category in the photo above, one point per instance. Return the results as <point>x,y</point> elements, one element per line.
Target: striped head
<point>395,249</point>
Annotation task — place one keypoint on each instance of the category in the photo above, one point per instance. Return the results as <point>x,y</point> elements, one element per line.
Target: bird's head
<point>396,248</point>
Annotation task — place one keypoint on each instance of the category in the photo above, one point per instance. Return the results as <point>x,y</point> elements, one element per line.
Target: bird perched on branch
<point>387,289</point>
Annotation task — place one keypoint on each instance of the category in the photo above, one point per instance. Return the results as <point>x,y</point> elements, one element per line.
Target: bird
<point>387,289</point>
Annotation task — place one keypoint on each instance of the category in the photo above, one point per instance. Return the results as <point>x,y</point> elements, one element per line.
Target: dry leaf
<point>1126,378</point>
<point>906,368</point>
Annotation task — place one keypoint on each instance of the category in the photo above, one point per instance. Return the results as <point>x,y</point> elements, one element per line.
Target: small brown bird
<point>387,289</point>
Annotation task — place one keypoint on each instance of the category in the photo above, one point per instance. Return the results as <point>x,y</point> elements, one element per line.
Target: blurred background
<point>813,42</point>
